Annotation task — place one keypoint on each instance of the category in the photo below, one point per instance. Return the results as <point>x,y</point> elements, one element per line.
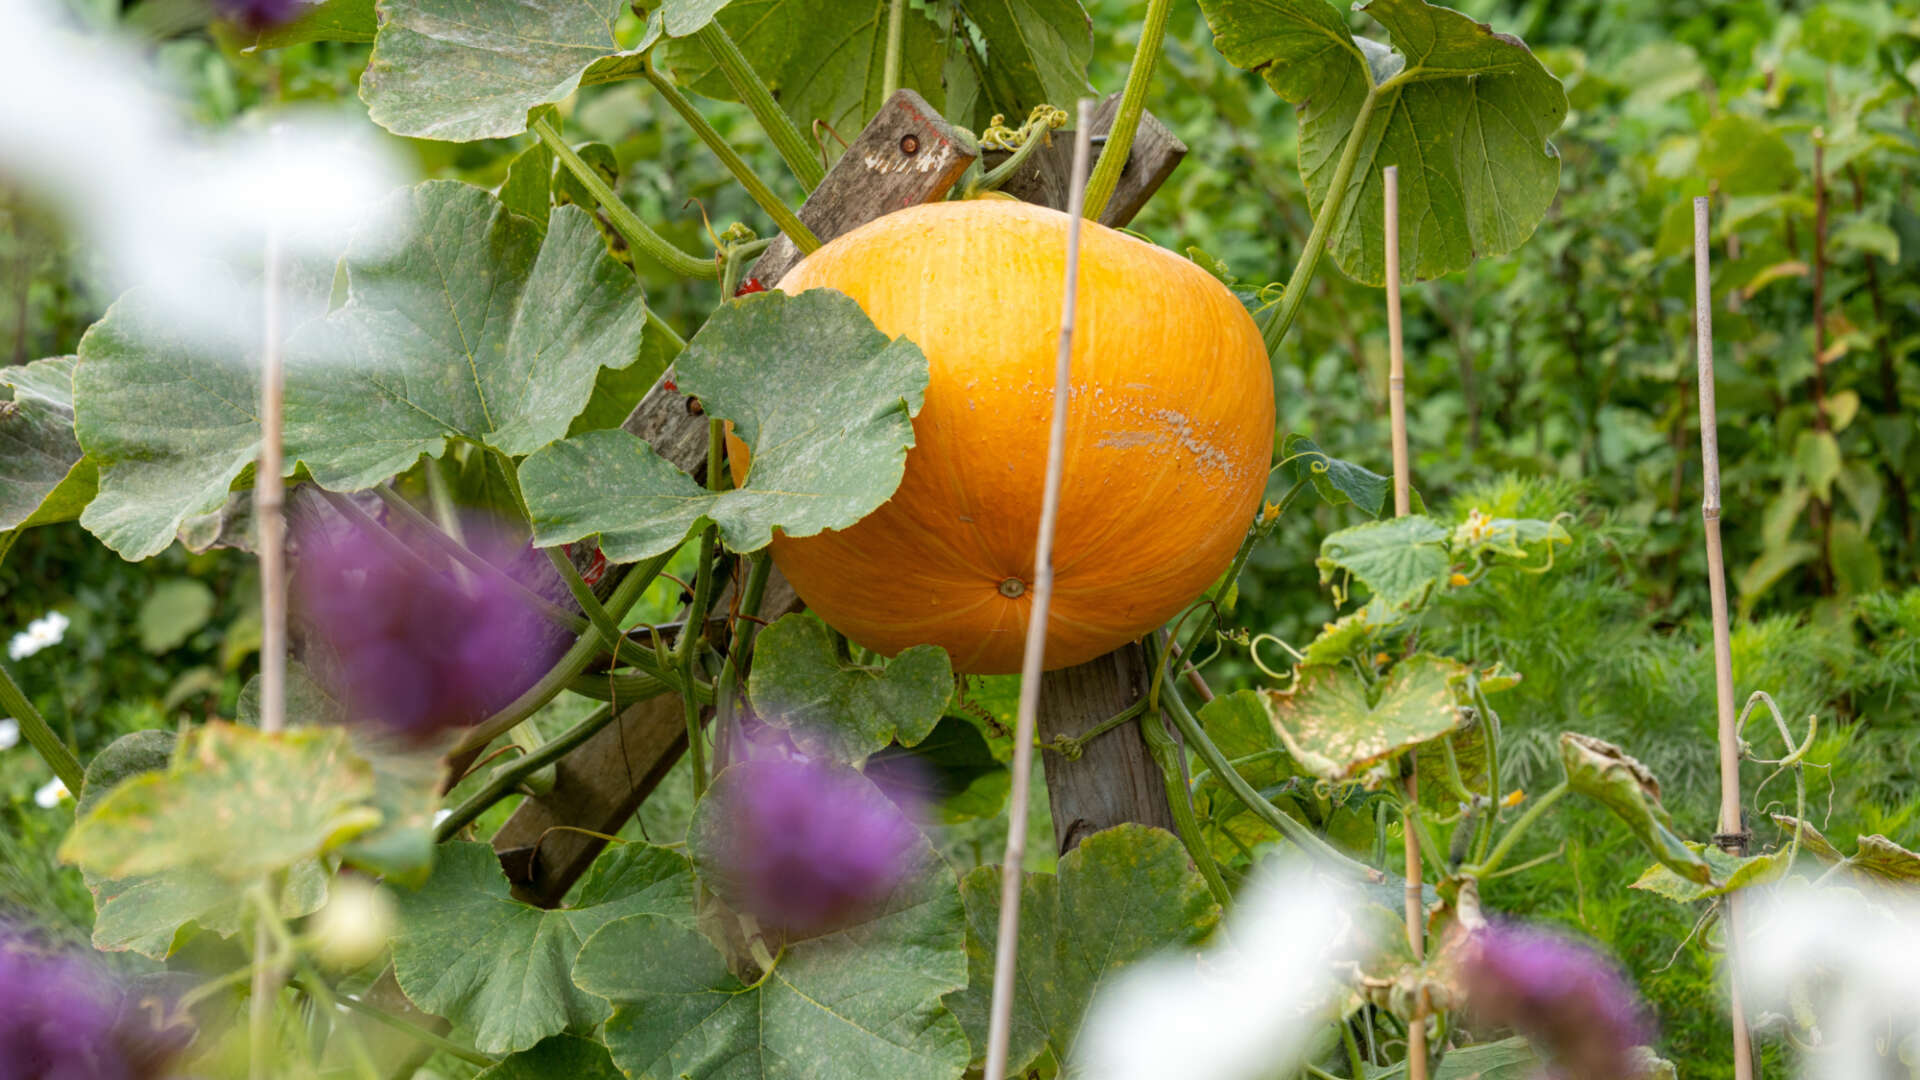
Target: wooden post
<point>907,155</point>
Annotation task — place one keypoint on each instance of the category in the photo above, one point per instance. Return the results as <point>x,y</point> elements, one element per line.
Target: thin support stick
<point>1402,506</point>
<point>1733,835</point>
<point>1000,1028</point>
<point>268,497</point>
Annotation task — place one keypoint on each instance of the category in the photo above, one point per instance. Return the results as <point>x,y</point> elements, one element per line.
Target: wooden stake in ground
<point>1402,506</point>
<point>1732,836</point>
<point>1000,1026</point>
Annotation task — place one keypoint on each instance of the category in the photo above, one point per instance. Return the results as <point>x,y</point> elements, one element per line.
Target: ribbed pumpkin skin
<point>1168,438</point>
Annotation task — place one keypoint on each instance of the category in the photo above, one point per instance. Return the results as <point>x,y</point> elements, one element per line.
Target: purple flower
<point>805,847</point>
<point>259,14</point>
<point>1565,996</point>
<point>61,1018</point>
<point>412,650</point>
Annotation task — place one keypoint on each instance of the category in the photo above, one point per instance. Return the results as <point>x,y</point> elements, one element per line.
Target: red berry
<point>751,285</point>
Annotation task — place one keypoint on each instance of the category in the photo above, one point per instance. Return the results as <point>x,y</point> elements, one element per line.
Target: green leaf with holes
<point>1402,560</point>
<point>468,951</point>
<point>1465,112</point>
<point>222,807</point>
<point>864,1000</point>
<point>837,708</point>
<point>145,913</point>
<point>1336,726</point>
<point>44,478</point>
<point>823,458</point>
<point>1124,894</point>
<point>462,321</point>
<point>460,70</point>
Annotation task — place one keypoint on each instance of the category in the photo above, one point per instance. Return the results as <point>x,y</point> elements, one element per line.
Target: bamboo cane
<point>1402,506</point>
<point>1732,836</point>
<point>1000,1025</point>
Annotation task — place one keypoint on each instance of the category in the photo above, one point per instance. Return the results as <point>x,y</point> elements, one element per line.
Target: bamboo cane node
<point>1735,843</point>
<point>1710,513</point>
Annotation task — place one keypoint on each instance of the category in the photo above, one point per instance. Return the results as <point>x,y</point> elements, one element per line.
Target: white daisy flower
<point>41,633</point>
<point>9,733</point>
<point>50,794</point>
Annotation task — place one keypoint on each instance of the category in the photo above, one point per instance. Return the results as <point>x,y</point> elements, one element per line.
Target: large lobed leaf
<point>837,708</point>
<point>1403,560</point>
<point>824,400</point>
<point>223,806</point>
<point>822,61</point>
<point>43,476</point>
<point>462,321</point>
<point>1336,726</point>
<point>145,913</point>
<point>1466,113</point>
<point>1124,894</point>
<point>864,1000</point>
<point>470,952</point>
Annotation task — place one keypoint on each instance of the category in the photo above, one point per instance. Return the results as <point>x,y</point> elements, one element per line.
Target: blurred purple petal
<point>412,652</point>
<point>809,847</point>
<point>61,1018</point>
<point>1566,997</point>
<point>259,14</point>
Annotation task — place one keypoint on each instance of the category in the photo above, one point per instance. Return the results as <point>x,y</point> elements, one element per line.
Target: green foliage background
<point>1557,380</point>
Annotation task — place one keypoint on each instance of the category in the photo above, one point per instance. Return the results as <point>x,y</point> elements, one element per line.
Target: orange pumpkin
<point>1169,436</point>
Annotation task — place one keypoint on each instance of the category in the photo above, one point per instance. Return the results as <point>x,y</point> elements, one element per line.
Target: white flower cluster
<point>39,634</point>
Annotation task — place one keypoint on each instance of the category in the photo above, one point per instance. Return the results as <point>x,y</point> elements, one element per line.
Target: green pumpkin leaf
<point>1037,52</point>
<point>406,783</point>
<point>1812,840</point>
<point>1124,894</point>
<point>145,913</point>
<point>44,478</point>
<point>1403,560</point>
<point>952,772</point>
<point>528,188</point>
<point>1336,481</point>
<point>222,806</point>
<point>465,322</point>
<point>468,951</point>
<point>1465,112</point>
<point>1349,634</point>
<point>839,709</point>
<point>171,418</point>
<point>1604,772</point>
<point>822,61</point>
<point>864,1000</point>
<point>825,455</point>
<point>1730,874</point>
<point>570,1056</point>
<point>1337,727</point>
<point>1877,857</point>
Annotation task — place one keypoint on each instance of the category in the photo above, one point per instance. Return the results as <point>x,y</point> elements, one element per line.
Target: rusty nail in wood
<point>909,144</point>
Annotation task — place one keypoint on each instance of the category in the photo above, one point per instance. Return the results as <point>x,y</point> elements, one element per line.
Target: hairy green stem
<point>657,325</point>
<point>13,702</point>
<point>309,979</point>
<point>1274,327</point>
<point>571,664</point>
<point>753,93</point>
<point>691,639</point>
<point>1133,101</point>
<point>1071,746</point>
<point>627,689</point>
<point>583,595</point>
<point>625,221</point>
<point>726,685</point>
<point>782,214</point>
<point>329,1003</point>
<point>1180,801</point>
<point>1301,836</point>
<point>1354,1060</point>
<point>1490,734</point>
<point>506,779</point>
<point>1518,830</point>
<point>896,31</point>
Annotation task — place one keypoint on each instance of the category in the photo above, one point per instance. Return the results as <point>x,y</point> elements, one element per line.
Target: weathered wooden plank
<point>1156,152</point>
<point>1114,780</point>
<point>906,156</point>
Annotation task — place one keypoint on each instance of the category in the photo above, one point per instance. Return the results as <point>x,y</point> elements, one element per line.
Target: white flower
<point>50,794</point>
<point>9,733</point>
<point>1247,1009</point>
<point>41,633</point>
